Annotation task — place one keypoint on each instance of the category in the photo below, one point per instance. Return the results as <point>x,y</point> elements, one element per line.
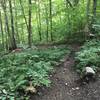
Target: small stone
<point>50,75</point>
<point>89,70</point>
<point>73,88</point>
<point>66,84</point>
<point>92,35</point>
<point>77,88</point>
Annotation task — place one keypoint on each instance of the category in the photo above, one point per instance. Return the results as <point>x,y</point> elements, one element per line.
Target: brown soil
<point>65,86</point>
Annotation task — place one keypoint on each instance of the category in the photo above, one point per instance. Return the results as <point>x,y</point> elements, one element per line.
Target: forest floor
<point>65,85</point>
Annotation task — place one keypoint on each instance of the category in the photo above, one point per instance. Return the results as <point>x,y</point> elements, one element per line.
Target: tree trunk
<point>88,9</point>
<point>67,14</point>
<point>14,46</point>
<point>9,41</point>
<point>30,26</point>
<point>16,23</point>
<point>47,23</point>
<point>68,1</point>
<point>50,4</point>
<point>39,20</point>
<point>94,9</point>
<point>24,15</point>
<point>1,28</point>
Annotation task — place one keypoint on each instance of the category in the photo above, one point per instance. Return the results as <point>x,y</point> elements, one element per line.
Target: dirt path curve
<point>65,87</point>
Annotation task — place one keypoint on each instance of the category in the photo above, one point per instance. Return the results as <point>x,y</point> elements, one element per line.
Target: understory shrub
<point>89,55</point>
<point>16,68</point>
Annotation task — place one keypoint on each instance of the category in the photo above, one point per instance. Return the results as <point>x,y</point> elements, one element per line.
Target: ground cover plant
<point>89,55</point>
<point>17,68</point>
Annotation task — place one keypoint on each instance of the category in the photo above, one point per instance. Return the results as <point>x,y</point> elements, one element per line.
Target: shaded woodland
<point>26,22</point>
<point>45,48</point>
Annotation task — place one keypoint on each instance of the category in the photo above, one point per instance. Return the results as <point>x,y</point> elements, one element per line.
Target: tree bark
<point>9,41</point>
<point>39,20</point>
<point>14,46</point>
<point>47,23</point>
<point>24,15</point>
<point>30,26</point>
<point>1,28</point>
<point>88,9</point>
<point>16,23</point>
<point>68,1</point>
<point>50,4</point>
<point>94,9</point>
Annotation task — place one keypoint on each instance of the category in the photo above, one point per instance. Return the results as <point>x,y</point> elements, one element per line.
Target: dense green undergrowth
<point>89,55</point>
<point>16,68</point>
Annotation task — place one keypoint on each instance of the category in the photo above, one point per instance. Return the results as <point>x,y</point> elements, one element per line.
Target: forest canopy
<point>42,21</point>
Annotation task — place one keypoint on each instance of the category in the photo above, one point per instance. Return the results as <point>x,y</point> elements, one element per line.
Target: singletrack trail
<point>65,86</point>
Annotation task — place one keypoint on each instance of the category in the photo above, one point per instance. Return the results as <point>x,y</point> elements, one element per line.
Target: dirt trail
<point>65,87</point>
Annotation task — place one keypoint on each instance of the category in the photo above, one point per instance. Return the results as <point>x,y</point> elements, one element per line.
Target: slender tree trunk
<point>88,9</point>
<point>68,1</point>
<point>9,41</point>
<point>50,4</point>
<point>1,28</point>
<point>30,26</point>
<point>47,24</point>
<point>94,9</point>
<point>14,46</point>
<point>16,23</point>
<point>24,15</point>
<point>60,19</point>
<point>39,20</point>
<point>67,14</point>
<point>22,31</point>
<point>94,15</point>
<point>47,30</point>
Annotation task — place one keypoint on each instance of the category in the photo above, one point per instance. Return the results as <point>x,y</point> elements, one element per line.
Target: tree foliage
<point>29,21</point>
